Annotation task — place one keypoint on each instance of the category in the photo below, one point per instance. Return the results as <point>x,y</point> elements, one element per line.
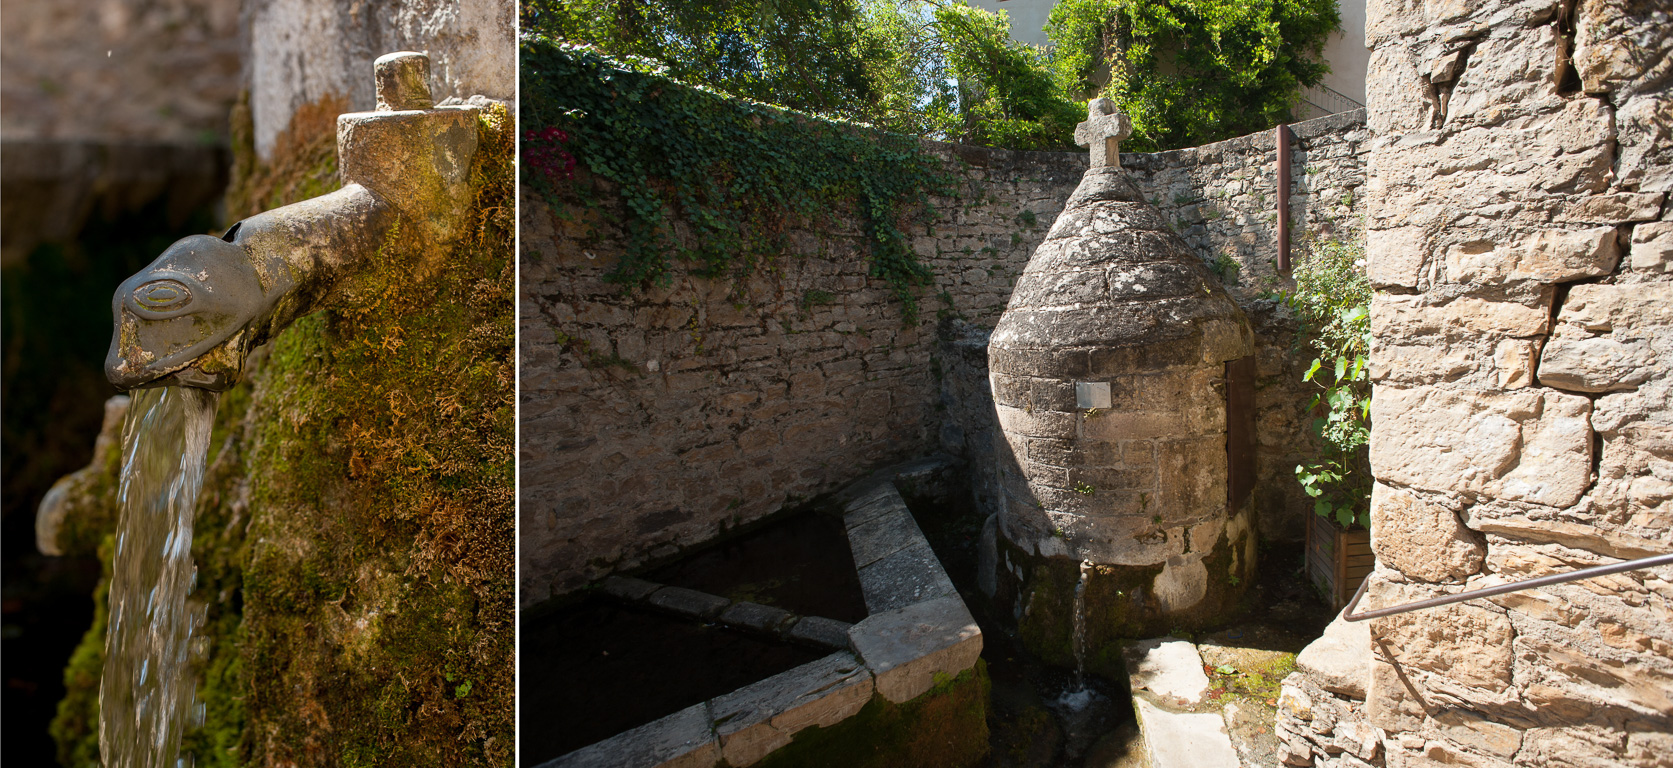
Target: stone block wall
<point>1222,199</point>
<point>655,419</point>
<point>1523,407</point>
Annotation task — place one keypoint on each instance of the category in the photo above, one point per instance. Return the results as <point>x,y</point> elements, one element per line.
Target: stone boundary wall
<point>1222,199</point>
<point>658,419</point>
<point>1522,245</point>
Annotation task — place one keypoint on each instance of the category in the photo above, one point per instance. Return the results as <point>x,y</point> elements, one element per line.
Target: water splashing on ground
<point>147,696</point>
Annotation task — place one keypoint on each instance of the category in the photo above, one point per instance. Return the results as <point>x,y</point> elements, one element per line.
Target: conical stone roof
<point>1113,288</point>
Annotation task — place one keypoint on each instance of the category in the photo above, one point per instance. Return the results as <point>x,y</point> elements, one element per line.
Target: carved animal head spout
<point>193,316</point>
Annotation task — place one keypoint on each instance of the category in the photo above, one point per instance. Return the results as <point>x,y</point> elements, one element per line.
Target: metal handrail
<point>1517,586</point>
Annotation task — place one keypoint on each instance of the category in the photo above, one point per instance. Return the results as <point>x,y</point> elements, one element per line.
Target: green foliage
<point>923,67</point>
<point>1333,299</point>
<point>1006,91</point>
<point>802,54</point>
<point>1191,72</point>
<point>733,171</point>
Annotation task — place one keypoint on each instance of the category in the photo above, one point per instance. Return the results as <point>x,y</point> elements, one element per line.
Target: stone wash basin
<point>911,633</point>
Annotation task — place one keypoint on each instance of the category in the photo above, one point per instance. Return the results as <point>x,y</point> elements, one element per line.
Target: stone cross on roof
<point>1103,131</point>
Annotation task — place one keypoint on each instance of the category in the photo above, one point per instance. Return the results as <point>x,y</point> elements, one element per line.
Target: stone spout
<point>192,316</point>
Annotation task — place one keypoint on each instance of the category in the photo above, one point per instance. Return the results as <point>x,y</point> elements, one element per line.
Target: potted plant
<point>1333,297</point>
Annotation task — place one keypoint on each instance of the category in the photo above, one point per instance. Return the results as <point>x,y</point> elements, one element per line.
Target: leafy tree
<point>925,67</point>
<point>1187,71</point>
<point>801,54</point>
<point>1191,72</point>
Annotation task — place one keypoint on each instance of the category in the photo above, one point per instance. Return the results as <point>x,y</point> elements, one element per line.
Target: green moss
<point>946,727</point>
<point>75,728</point>
<point>1118,602</point>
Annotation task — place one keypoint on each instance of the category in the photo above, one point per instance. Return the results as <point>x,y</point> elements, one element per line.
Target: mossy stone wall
<point>354,536</point>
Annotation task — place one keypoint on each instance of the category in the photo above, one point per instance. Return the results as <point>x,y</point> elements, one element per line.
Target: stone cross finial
<point>1103,131</point>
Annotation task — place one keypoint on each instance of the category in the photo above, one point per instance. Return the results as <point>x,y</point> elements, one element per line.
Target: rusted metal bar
<point>1281,135</point>
<point>1543,581</point>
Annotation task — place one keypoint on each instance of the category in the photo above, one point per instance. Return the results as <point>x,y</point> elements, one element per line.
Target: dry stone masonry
<point>1523,404</point>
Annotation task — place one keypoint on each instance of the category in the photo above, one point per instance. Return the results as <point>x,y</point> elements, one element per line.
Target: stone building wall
<point>1521,244</point>
<point>1222,199</point>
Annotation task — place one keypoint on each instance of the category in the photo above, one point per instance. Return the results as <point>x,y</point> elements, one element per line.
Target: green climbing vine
<point>737,173</point>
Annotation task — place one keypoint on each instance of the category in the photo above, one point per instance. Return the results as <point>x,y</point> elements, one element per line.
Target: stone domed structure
<point>1110,372</point>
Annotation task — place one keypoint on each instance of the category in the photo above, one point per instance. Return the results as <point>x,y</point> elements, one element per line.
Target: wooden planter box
<point>1338,560</point>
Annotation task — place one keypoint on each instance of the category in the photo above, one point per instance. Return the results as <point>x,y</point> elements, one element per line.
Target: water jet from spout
<point>147,695</point>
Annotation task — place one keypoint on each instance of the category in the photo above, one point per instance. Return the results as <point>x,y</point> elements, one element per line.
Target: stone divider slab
<point>918,630</point>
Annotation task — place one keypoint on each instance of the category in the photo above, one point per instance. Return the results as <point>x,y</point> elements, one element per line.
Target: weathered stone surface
<point>1462,642</point>
<point>1469,729</point>
<point>73,494</point>
<point>906,647</point>
<point>629,588</point>
<point>298,53</point>
<point>1340,660</point>
<point>765,618</point>
<point>1497,170</point>
<point>1621,48</point>
<point>908,576</point>
<point>1182,584</point>
<point>1421,540</point>
<point>757,719</point>
<point>883,535</point>
<point>1546,256</point>
<point>1178,740</point>
<point>1634,308</point>
<point>1652,247</point>
<point>1529,445</point>
<point>1595,364</point>
<point>820,631</point>
<point>1411,317</point>
<point>689,602</point>
<point>684,739</point>
<point>1168,667</point>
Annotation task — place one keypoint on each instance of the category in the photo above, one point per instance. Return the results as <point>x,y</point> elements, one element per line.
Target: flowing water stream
<point>147,697</point>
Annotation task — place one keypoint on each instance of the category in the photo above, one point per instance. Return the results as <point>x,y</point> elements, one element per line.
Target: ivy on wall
<point>735,172</point>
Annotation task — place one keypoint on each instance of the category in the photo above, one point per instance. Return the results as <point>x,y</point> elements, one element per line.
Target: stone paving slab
<point>1169,668</point>
<point>684,739</point>
<point>1184,740</point>
<point>759,718</point>
<point>906,647</point>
